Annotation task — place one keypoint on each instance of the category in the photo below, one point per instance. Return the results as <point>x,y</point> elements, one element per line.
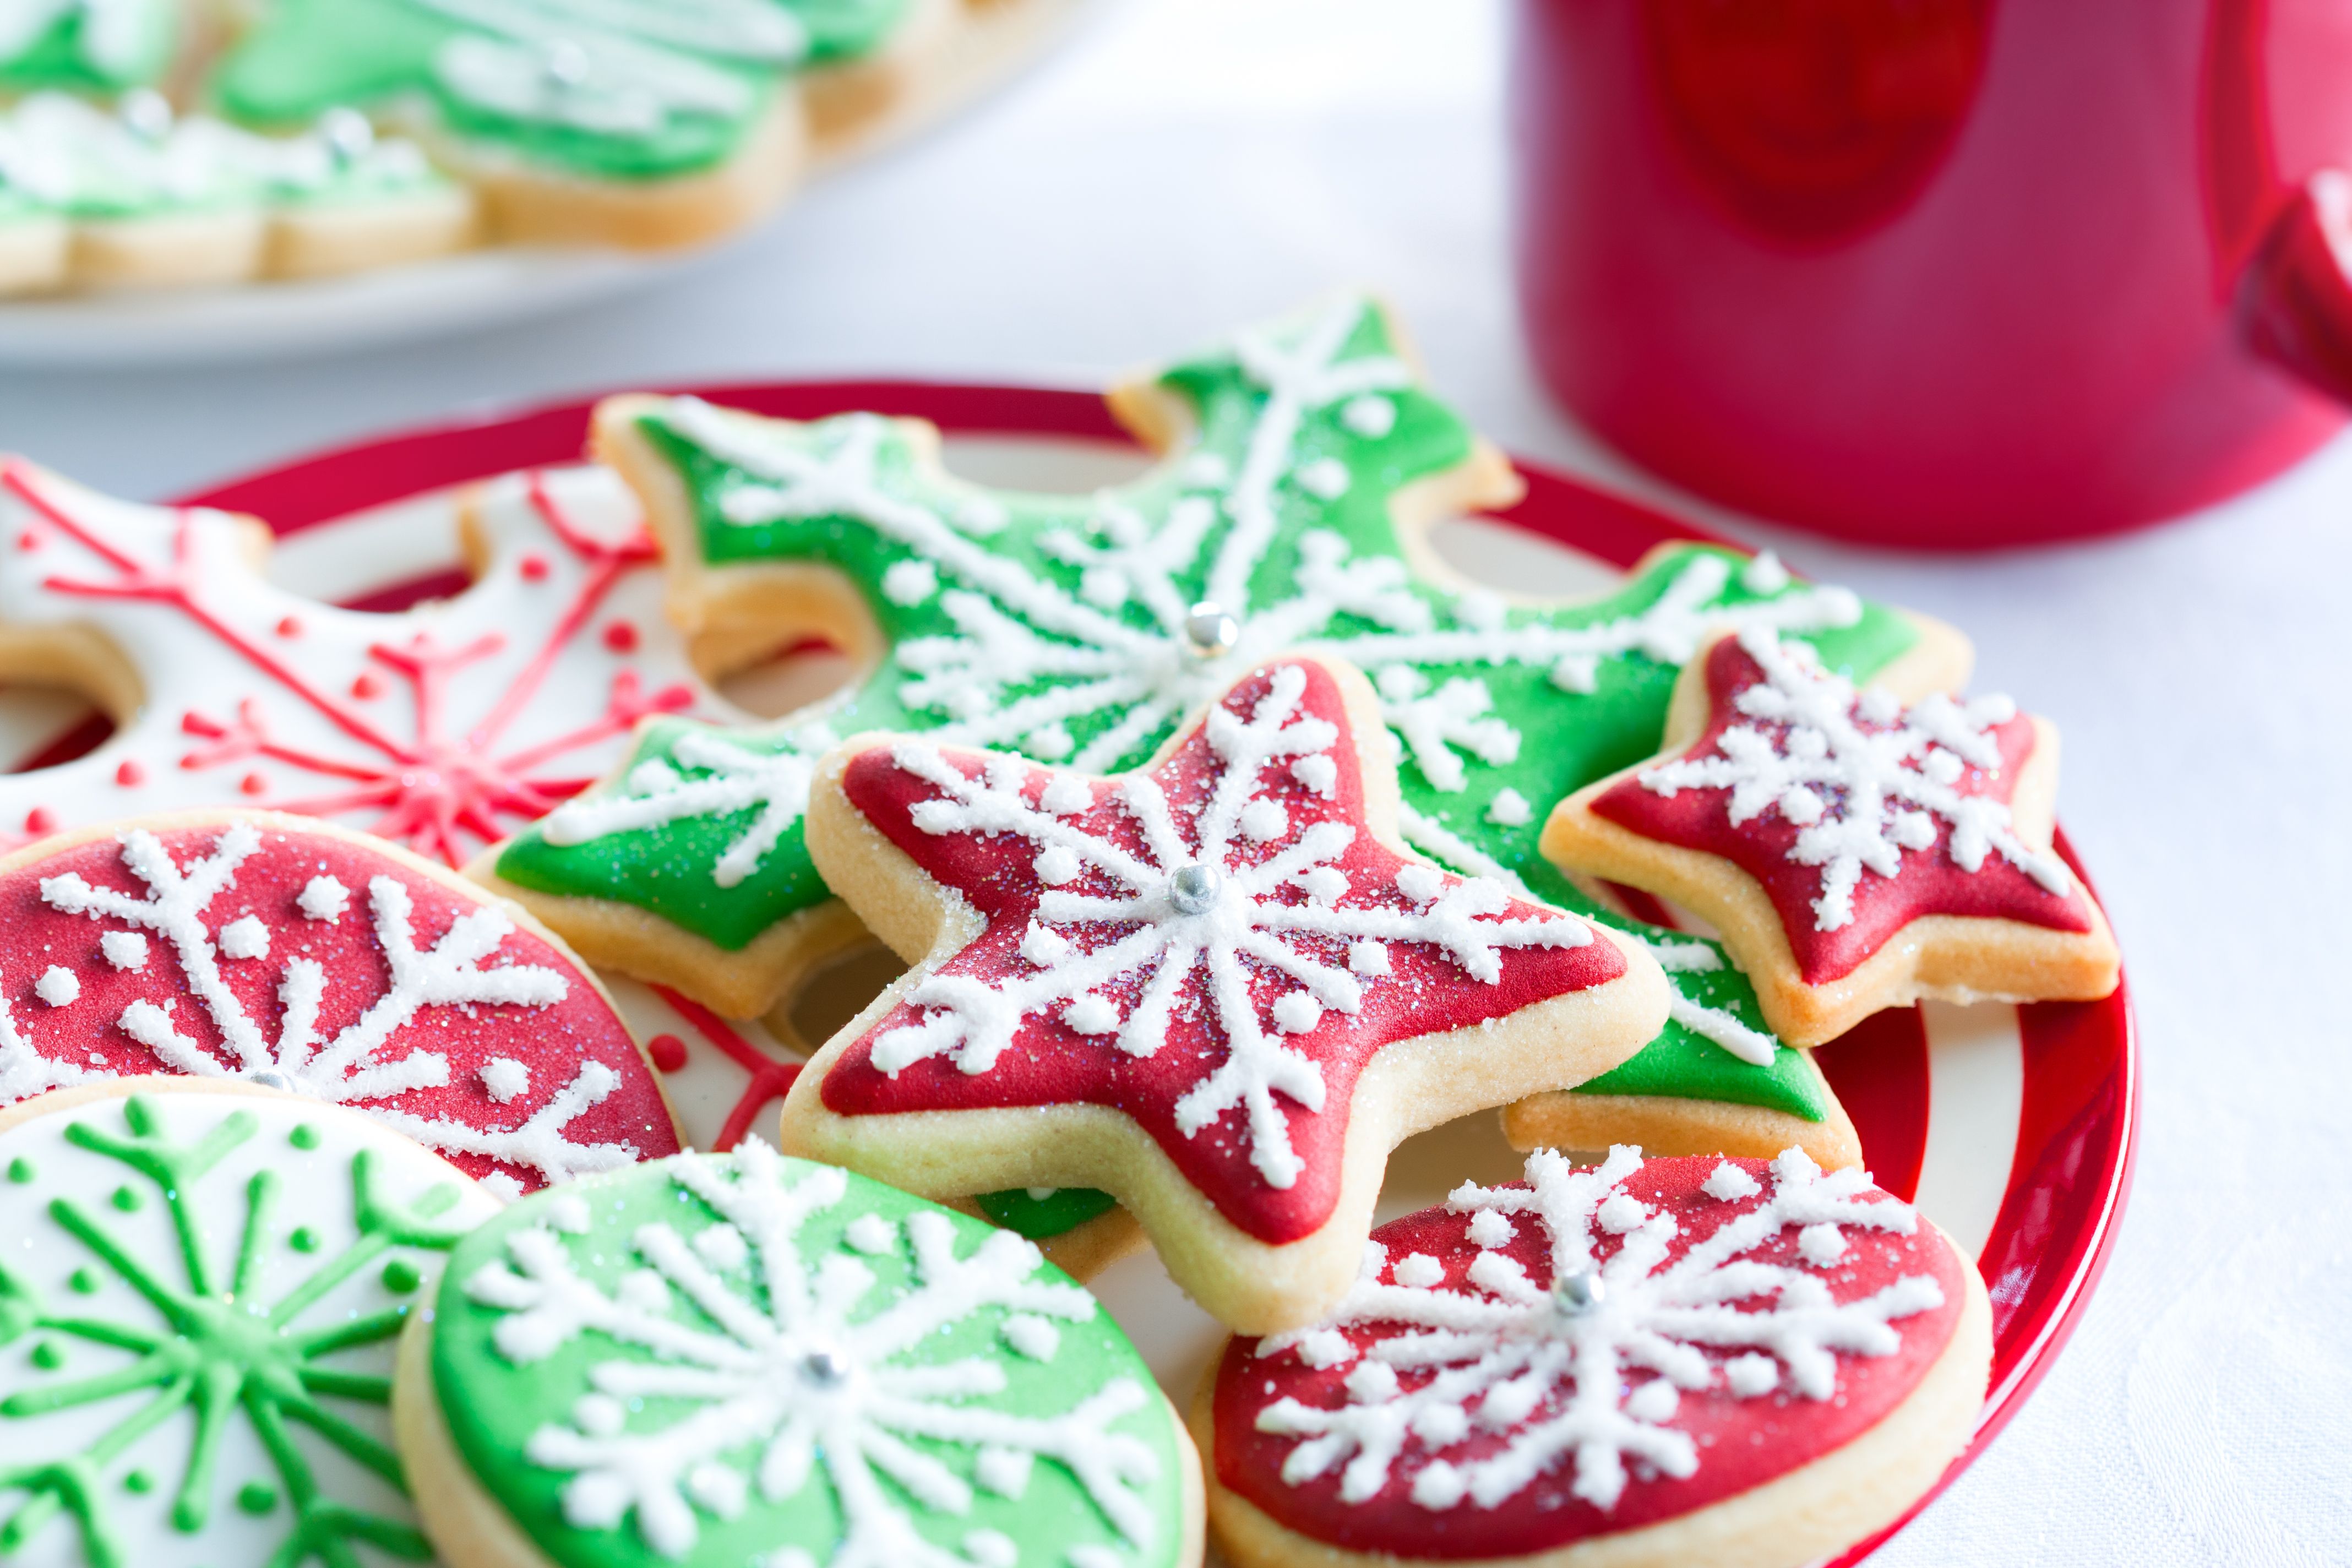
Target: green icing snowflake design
<point>616,89</point>
<point>1084,630</point>
<point>198,1343</point>
<point>747,1359</point>
<point>99,45</point>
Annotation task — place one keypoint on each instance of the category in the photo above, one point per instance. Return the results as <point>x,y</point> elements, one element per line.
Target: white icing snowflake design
<point>792,1364</point>
<point>730,777</point>
<point>1719,1026</point>
<point>1077,644</point>
<point>1214,895</point>
<point>357,1067</point>
<point>1860,776</point>
<point>1588,1369</point>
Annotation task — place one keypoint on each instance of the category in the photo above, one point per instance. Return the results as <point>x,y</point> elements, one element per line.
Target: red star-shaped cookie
<point>1218,987</point>
<point>1855,854</point>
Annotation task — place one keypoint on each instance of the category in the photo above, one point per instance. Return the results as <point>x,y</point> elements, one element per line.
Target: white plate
<point>272,321</point>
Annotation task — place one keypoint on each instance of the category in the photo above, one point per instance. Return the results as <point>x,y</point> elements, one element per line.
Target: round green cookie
<point>760,1363</point>
<point>202,1289</point>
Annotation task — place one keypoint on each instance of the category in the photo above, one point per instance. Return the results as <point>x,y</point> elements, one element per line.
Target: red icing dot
<point>254,783</point>
<point>621,637</point>
<point>366,685</point>
<point>129,773</point>
<point>29,539</point>
<point>289,627</point>
<point>535,568</point>
<point>668,1051</point>
<point>40,819</point>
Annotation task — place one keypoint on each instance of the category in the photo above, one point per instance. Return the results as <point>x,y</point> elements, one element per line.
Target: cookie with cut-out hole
<point>202,1294</point>
<point>1217,988</point>
<point>727,1359</point>
<point>439,727</point>
<point>1645,1362</point>
<point>1855,853</point>
<point>257,947</point>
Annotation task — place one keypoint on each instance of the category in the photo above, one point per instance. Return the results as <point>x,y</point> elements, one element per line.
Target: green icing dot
<point>304,1136</point>
<point>138,1481</point>
<point>257,1497</point>
<point>1060,1211</point>
<point>83,1281</point>
<point>47,1356</point>
<point>400,1277</point>
<point>304,1239</point>
<point>20,1171</point>
<point>127,1199</point>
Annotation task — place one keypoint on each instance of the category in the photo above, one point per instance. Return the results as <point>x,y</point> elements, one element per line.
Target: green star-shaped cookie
<point>1304,464</point>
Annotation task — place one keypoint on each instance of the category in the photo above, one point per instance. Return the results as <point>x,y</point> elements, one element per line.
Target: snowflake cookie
<point>753,1362</point>
<point>1304,463</point>
<point>200,1302</point>
<point>1856,854</point>
<point>272,949</point>
<point>1218,988</point>
<point>440,728</point>
<point>1667,1361</point>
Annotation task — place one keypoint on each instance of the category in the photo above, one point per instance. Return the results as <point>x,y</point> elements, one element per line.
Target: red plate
<point>2013,1127</point>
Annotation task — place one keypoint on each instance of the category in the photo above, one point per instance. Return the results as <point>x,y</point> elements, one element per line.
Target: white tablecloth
<point>1187,165</point>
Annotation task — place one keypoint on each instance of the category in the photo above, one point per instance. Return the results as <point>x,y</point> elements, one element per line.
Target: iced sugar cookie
<point>1667,1362</point>
<point>199,1306</point>
<point>1216,988</point>
<point>274,949</point>
<point>722,1360</point>
<point>137,197</point>
<point>1304,464</point>
<point>638,122</point>
<point>90,45</point>
<point>1856,854</point>
<point>438,726</point>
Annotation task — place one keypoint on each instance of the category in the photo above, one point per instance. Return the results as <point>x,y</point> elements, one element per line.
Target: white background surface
<point>1188,165</point>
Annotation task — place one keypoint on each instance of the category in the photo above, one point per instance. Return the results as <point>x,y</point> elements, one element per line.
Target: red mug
<point>1953,274</point>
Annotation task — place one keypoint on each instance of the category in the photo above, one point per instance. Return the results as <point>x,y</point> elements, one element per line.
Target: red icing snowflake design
<point>441,727</point>
<point>1856,815</point>
<point>1590,1352</point>
<point>1213,947</point>
<point>312,963</point>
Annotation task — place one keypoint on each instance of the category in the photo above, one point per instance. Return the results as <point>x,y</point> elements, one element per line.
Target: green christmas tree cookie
<point>1306,462</point>
<point>199,1304</point>
<point>635,122</point>
<point>745,1359</point>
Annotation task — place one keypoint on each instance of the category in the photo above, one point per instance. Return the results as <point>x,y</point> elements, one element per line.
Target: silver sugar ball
<point>1579,1292</point>
<point>825,1368</point>
<point>1209,631</point>
<point>270,1078</point>
<point>1193,889</point>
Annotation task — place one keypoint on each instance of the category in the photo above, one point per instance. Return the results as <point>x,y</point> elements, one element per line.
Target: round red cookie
<point>1677,1361</point>
<point>293,953</point>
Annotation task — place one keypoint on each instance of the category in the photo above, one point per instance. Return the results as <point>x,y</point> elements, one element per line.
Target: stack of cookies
<point>1227,841</point>
<point>189,142</point>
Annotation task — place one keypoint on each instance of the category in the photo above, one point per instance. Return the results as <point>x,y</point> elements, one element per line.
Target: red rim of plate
<point>2079,1113</point>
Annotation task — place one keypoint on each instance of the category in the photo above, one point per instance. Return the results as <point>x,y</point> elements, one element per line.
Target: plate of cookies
<point>186,180</point>
<point>864,973</point>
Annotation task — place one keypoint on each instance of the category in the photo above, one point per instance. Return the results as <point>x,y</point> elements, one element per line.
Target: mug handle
<point>2294,297</point>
